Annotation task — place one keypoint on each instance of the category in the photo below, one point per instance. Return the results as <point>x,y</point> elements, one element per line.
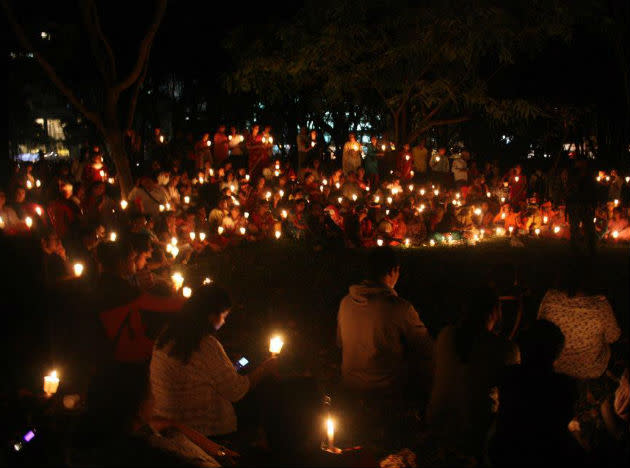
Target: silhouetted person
<point>581,201</point>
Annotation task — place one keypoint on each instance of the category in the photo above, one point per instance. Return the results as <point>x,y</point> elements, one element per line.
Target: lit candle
<point>379,242</point>
<point>173,241</point>
<point>29,184</point>
<point>545,219</point>
<point>38,183</point>
<point>488,194</point>
<point>268,195</point>
<point>51,383</point>
<point>275,345</point>
<point>377,199</point>
<point>220,230</point>
<point>168,206</point>
<point>178,280</point>
<point>330,432</point>
<point>338,185</point>
<point>112,236</point>
<point>407,157</point>
<point>209,143</point>
<point>437,159</point>
<point>230,137</point>
<point>161,138</point>
<point>278,234</point>
<point>421,208</point>
<point>284,213</point>
<point>502,199</point>
<point>407,242</point>
<point>325,182</point>
<point>556,229</point>
<point>615,234</point>
<point>312,144</point>
<point>354,197</point>
<point>1,222</point>
<point>211,173</point>
<point>503,215</point>
<point>432,243</point>
<point>242,230</point>
<point>247,177</point>
<point>102,173</point>
<point>389,200</point>
<point>511,229</point>
<point>201,179</point>
<point>192,236</point>
<point>281,192</point>
<point>161,207</point>
<point>187,199</point>
<point>123,204</point>
<point>616,202</point>
<point>186,292</point>
<point>410,187</point>
<point>537,231</point>
<point>383,147</point>
<point>111,180</point>
<point>500,231</point>
<point>29,222</point>
<point>339,199</point>
<point>246,214</point>
<point>202,236</point>
<point>174,251</point>
<point>422,192</point>
<point>207,281</point>
<point>627,180</point>
<point>516,178</point>
<point>78,269</point>
<point>38,210</point>
<point>478,211</point>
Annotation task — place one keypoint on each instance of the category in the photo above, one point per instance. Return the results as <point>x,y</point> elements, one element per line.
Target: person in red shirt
<point>63,212</point>
<point>95,171</point>
<point>220,146</point>
<point>123,308</point>
<point>405,163</point>
<point>258,158</point>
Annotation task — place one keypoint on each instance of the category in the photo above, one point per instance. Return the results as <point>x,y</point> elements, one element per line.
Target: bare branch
<point>50,71</point>
<point>101,35</point>
<point>134,97</point>
<point>145,48</point>
<point>90,28</point>
<point>436,123</point>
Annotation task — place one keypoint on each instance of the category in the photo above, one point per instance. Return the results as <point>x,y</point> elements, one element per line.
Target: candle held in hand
<point>51,383</point>
<point>330,432</point>
<point>275,345</point>
<point>78,269</point>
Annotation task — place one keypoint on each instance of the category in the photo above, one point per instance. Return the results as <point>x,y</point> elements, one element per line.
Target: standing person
<point>439,164</point>
<point>351,159</point>
<point>302,148</point>
<point>257,152</point>
<point>313,150</point>
<point>220,146</point>
<point>469,359</point>
<point>459,168</point>
<point>581,202</point>
<point>420,158</point>
<point>382,338</point>
<point>405,164</point>
<point>371,162</point>
<point>236,149</point>
<point>203,151</point>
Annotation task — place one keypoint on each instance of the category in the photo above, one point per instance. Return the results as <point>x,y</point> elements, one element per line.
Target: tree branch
<point>50,71</point>
<point>145,48</point>
<point>134,97</point>
<point>101,35</point>
<point>90,28</point>
<point>435,123</point>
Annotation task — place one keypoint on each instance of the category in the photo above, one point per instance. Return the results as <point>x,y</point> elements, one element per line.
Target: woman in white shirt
<point>193,380</point>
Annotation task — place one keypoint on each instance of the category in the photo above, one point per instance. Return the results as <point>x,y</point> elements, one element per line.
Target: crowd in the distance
<point>480,394</point>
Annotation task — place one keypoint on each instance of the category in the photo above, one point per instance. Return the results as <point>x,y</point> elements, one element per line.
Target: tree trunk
<point>115,146</point>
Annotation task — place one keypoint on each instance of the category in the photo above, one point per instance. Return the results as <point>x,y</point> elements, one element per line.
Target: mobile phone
<point>241,363</point>
<point>26,438</point>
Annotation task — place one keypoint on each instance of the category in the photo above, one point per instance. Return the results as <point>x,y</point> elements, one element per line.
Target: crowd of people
<point>180,399</point>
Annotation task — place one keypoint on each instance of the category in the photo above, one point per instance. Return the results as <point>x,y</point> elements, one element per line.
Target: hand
<point>270,365</point>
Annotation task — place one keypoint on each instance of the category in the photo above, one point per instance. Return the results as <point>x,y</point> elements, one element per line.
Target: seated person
<point>193,380</point>
<point>618,227</point>
<point>469,361</point>
<point>587,322</point>
<point>536,405</point>
<point>119,427</point>
<point>382,338</point>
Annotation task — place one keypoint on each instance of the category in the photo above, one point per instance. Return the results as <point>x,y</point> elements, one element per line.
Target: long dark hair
<point>187,328</point>
<point>477,310</point>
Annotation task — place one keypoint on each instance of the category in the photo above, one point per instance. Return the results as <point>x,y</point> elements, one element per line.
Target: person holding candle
<point>351,158</point>
<point>220,146</point>
<point>193,380</point>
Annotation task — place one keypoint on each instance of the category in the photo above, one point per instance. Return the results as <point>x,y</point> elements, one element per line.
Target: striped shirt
<point>200,393</point>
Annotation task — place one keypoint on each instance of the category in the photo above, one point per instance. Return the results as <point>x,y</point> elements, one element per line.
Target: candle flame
<point>275,344</point>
